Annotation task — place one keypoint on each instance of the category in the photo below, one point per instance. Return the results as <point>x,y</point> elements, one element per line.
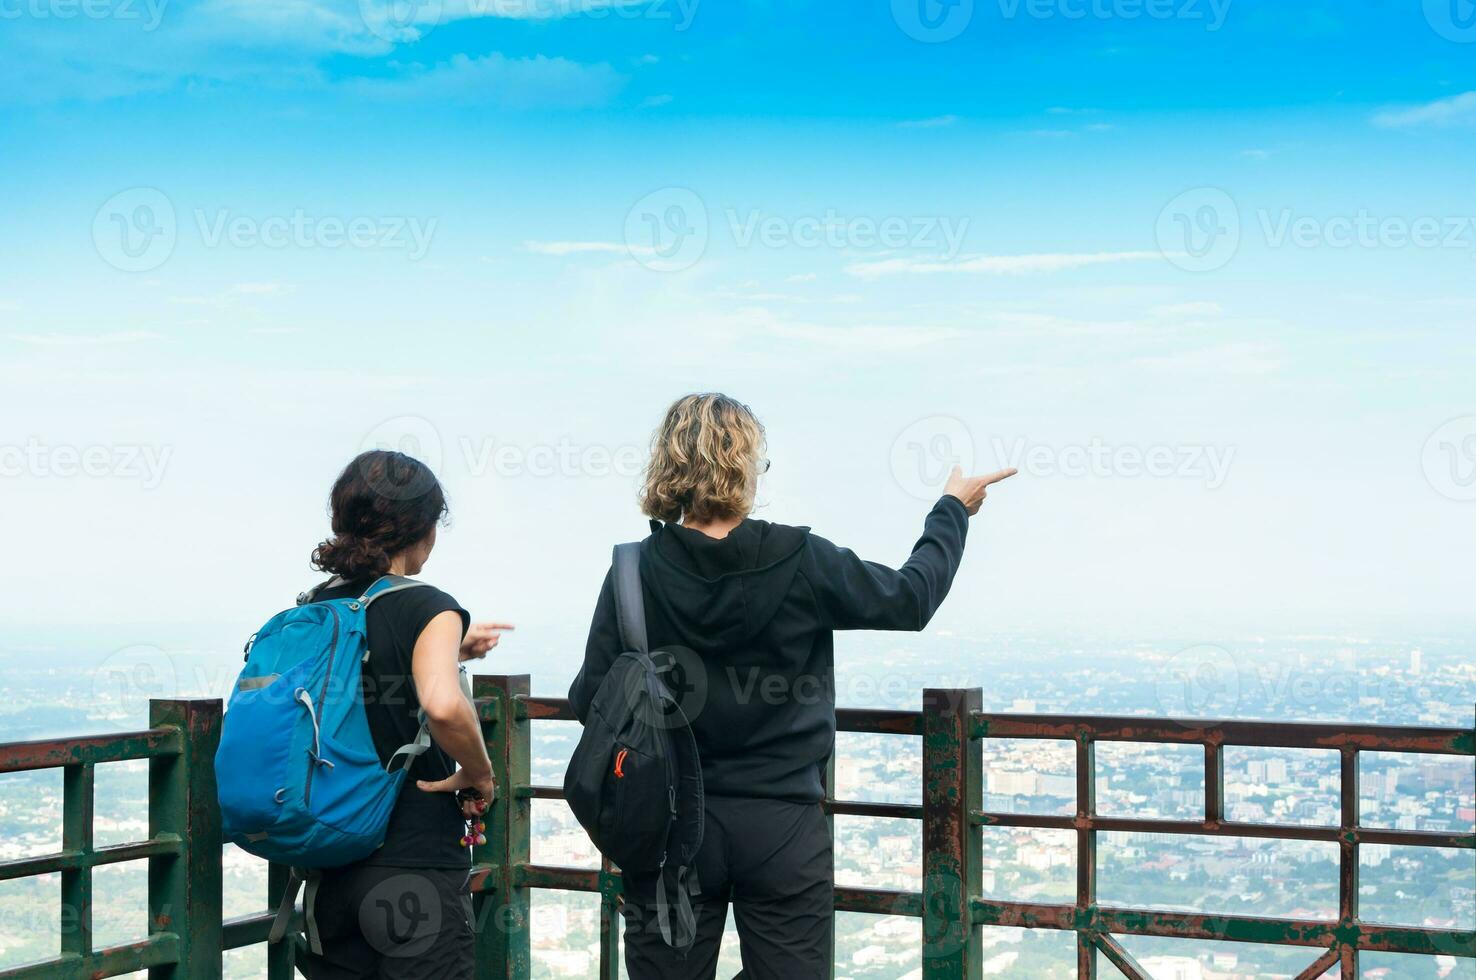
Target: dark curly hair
<point>382,503</point>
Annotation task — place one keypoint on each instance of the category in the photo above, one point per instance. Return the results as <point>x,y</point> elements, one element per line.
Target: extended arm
<point>453,720</point>
<point>858,594</point>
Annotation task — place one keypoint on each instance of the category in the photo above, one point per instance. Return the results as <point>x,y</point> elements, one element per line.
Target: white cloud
<point>285,43</point>
<point>870,338</point>
<point>738,329</point>
<point>1238,358</point>
<point>85,340</point>
<point>998,265</point>
<point>1256,154</point>
<point>935,122</point>
<point>1457,110</point>
<point>514,83</point>
<point>1200,310</point>
<point>801,277</point>
<point>585,248</point>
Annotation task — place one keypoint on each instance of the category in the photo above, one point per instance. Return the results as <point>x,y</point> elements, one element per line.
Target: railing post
<point>184,889</point>
<point>1348,864</point>
<point>1086,857</point>
<point>952,843</point>
<point>504,950</point>
<point>76,883</point>
<point>611,887</point>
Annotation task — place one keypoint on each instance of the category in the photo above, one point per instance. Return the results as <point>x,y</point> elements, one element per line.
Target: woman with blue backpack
<point>715,633</point>
<point>351,750</point>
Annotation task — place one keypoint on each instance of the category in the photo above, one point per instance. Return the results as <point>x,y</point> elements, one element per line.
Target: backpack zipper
<point>307,793</point>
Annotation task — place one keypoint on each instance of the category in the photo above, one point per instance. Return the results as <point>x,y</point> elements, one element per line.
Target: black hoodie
<point>749,618</point>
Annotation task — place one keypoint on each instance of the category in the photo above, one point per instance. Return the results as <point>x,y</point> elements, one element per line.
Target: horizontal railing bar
<point>873,900</point>
<point>547,709</point>
<point>88,750</point>
<point>558,878</point>
<point>878,721</point>
<point>1022,914</point>
<point>158,950</point>
<point>1414,838</point>
<point>1374,937</point>
<point>1268,734</point>
<point>878,901</point>
<point>41,864</point>
<point>862,808</point>
<point>1131,728</point>
<point>248,930</point>
<point>1224,828</point>
<point>853,808</point>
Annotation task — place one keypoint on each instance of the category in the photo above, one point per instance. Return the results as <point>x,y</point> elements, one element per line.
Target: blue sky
<point>247,238</point>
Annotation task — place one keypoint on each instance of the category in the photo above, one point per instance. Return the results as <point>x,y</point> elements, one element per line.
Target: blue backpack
<point>297,774</point>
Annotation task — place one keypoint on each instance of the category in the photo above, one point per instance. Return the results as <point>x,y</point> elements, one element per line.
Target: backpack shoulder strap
<point>387,584</point>
<point>630,606</point>
<point>311,595</point>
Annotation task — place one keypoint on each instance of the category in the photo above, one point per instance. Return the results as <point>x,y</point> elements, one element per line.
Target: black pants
<point>380,923</point>
<point>772,860</point>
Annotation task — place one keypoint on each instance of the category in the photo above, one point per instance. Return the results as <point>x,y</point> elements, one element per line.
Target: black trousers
<point>381,923</point>
<point>772,861</point>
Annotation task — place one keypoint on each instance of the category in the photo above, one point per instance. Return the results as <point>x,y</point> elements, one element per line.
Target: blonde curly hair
<point>704,461</point>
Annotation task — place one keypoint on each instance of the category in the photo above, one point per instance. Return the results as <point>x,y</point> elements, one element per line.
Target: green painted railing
<point>186,933</point>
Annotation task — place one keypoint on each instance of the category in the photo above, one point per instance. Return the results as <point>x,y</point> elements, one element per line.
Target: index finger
<point>999,475</point>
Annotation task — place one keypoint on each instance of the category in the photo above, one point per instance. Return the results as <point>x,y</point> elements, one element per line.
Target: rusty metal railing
<point>183,847</point>
<point>186,934</point>
<point>950,905</point>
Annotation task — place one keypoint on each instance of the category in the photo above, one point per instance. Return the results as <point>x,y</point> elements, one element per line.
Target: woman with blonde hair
<point>750,608</point>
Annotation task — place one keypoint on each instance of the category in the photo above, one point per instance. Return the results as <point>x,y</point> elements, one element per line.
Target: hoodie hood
<point>721,592</point>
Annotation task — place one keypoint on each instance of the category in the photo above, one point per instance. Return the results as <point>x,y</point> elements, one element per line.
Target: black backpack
<point>635,779</point>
